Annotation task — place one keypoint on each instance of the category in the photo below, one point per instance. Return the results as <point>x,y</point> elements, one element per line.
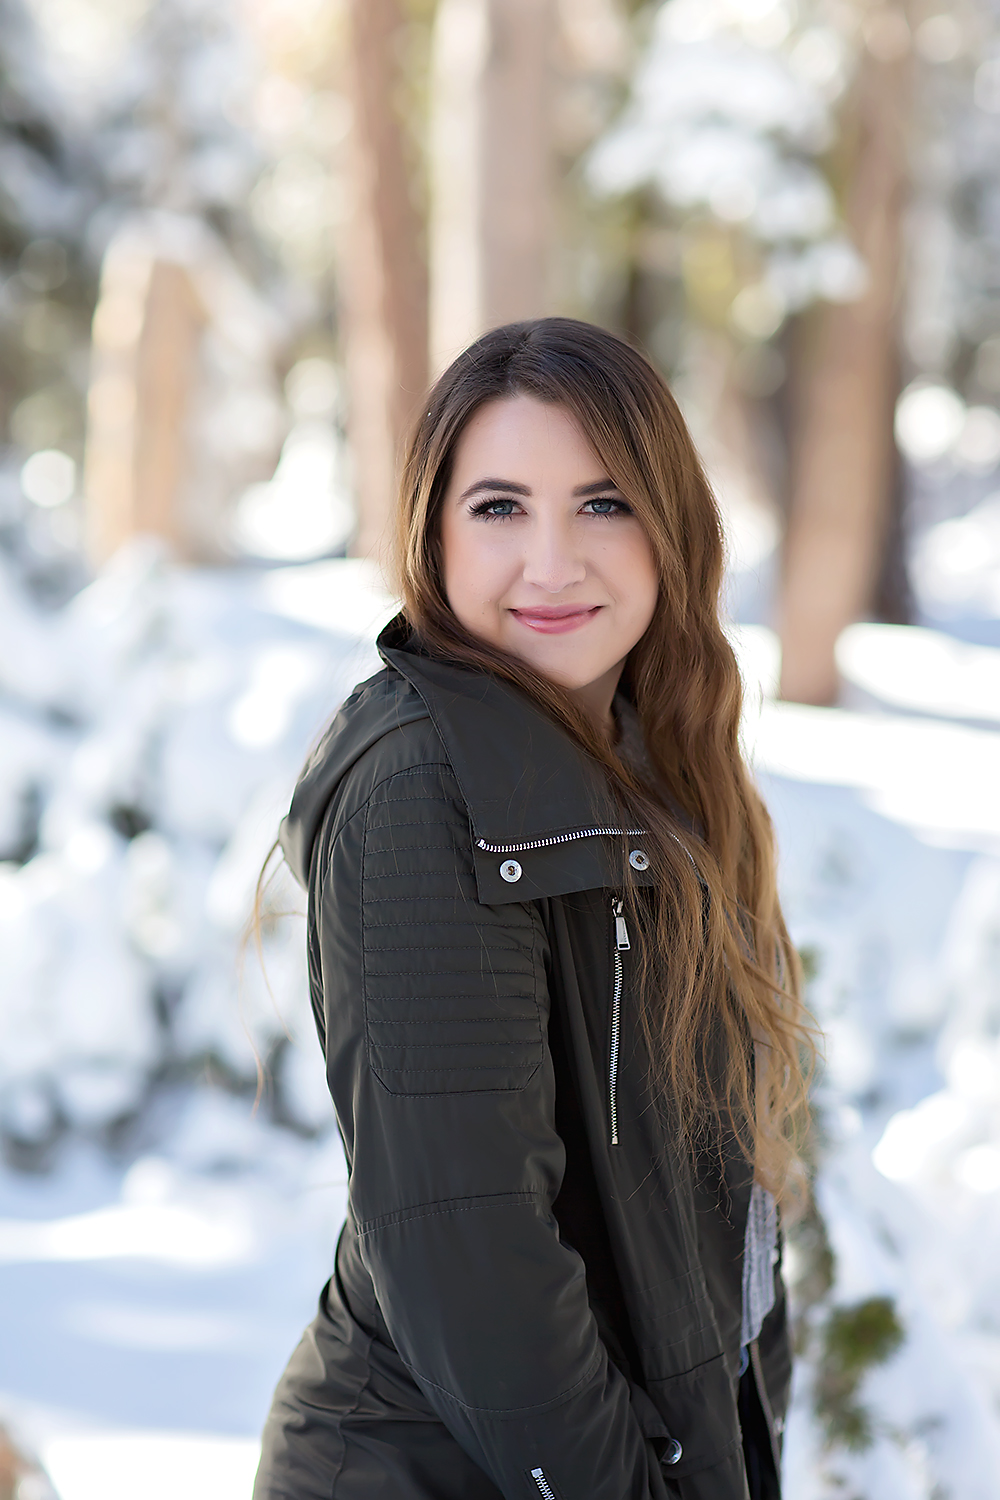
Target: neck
<point>596,698</point>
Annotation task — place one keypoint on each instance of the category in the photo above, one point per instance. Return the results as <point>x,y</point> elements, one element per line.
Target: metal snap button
<point>673,1452</point>
<point>510,871</point>
<point>638,860</point>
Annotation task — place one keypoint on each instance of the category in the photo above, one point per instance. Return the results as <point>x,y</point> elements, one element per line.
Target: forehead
<point>524,440</point>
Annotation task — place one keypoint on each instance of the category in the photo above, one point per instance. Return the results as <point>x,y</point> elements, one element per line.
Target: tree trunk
<point>168,355</point>
<point>491,168</point>
<point>384,310</point>
<point>147,330</point>
<point>842,456</point>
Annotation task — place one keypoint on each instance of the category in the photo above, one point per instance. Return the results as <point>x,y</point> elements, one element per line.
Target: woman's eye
<point>494,510</point>
<point>608,508</point>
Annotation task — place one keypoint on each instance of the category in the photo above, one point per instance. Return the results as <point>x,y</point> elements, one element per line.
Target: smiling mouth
<point>556,619</point>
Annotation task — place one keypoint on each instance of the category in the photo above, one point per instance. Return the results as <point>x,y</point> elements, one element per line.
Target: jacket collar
<point>521,776</point>
<point>537,804</point>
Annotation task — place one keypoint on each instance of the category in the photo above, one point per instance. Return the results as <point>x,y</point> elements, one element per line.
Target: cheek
<point>472,569</point>
<point>647,584</point>
<point>635,579</point>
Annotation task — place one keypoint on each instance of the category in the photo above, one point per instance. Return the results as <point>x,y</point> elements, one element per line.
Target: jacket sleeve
<point>436,1013</point>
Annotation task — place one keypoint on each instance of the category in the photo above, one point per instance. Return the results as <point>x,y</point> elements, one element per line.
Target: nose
<point>552,562</point>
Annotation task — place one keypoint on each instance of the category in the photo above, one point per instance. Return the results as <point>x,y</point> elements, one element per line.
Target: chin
<point>571,675</point>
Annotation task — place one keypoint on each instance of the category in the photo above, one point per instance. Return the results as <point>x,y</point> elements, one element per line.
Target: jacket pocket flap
<point>698,1408</point>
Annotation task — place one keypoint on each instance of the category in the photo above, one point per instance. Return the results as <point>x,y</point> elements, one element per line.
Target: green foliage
<point>855,1340</point>
<point>811,960</point>
<point>864,1335</point>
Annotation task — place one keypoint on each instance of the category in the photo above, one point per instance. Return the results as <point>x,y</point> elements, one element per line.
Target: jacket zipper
<point>558,838</point>
<point>622,945</point>
<point>544,1488</point>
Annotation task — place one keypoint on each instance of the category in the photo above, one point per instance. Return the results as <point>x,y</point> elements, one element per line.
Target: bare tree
<point>147,329</point>
<point>491,167</point>
<point>843,458</point>
<point>384,311</point>
<point>182,411</point>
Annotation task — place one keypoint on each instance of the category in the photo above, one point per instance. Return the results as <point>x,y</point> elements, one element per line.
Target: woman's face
<point>542,555</point>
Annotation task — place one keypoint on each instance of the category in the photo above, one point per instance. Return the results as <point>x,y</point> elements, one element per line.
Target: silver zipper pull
<point>544,1488</point>
<point>621,930</point>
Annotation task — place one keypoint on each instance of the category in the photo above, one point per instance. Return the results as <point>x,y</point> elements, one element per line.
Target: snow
<point>887,822</point>
<point>730,112</point>
<point>149,1311</point>
<point>956,565</point>
<point>185,704</point>
<point>905,666</point>
<point>305,509</point>
<point>159,1267</point>
<point>163,1252</point>
<point>90,1468</point>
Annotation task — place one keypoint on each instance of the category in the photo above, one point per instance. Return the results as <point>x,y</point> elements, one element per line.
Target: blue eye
<point>607,507</point>
<point>493,510</point>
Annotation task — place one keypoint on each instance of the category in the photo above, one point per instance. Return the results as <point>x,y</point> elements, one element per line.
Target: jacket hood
<point>521,776</point>
<point>370,712</point>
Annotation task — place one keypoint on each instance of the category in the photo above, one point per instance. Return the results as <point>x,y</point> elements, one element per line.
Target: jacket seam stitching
<point>500,1041</point>
<point>428,897</point>
<point>427,765</point>
<point>433,765</point>
<point>412,999</point>
<point>362,1387</point>
<point>423,823</point>
<point>502,926</point>
<point>361,945</point>
<point>516,1199</point>
<point>495,1067</point>
<point>436,1046</point>
<point>400,771</point>
<point>405,771</point>
<point>691,1333</point>
<point>494,1020</point>
<point>420,848</point>
<point>671,1312</point>
<point>517,1085</point>
<point>440,948</point>
<point>508,1413</point>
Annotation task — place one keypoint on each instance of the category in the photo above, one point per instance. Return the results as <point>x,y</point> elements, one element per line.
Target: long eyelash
<point>482,507</point>
<point>623,506</point>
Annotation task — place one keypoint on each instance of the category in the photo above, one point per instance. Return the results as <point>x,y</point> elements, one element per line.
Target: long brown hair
<point>720,979</point>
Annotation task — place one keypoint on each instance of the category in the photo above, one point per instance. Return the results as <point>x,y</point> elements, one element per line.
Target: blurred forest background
<point>237,239</point>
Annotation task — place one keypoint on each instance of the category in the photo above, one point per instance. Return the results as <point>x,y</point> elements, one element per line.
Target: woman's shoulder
<point>381,730</point>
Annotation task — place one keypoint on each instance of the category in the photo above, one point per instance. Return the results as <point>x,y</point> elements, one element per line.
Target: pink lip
<point>557,619</point>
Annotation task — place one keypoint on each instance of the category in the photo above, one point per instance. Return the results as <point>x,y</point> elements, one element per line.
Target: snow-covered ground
<point>148,1310</point>
<point>889,829</point>
<point>161,1245</point>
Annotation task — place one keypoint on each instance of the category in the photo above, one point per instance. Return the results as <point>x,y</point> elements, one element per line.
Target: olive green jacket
<point>458,851</point>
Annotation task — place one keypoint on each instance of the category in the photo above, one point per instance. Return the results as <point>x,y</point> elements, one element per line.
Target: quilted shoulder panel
<point>453,989</point>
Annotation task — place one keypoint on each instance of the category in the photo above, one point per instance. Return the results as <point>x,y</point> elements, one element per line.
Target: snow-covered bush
<point>894,1285</point>
<point>731,118</point>
<point>153,729</point>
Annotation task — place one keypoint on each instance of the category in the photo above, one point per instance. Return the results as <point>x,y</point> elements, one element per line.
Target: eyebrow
<point>510,487</point>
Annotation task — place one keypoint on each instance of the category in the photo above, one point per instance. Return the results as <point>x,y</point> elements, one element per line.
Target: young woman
<point>551,978</point>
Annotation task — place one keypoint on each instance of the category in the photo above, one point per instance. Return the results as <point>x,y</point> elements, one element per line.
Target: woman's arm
<point>436,1014</point>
